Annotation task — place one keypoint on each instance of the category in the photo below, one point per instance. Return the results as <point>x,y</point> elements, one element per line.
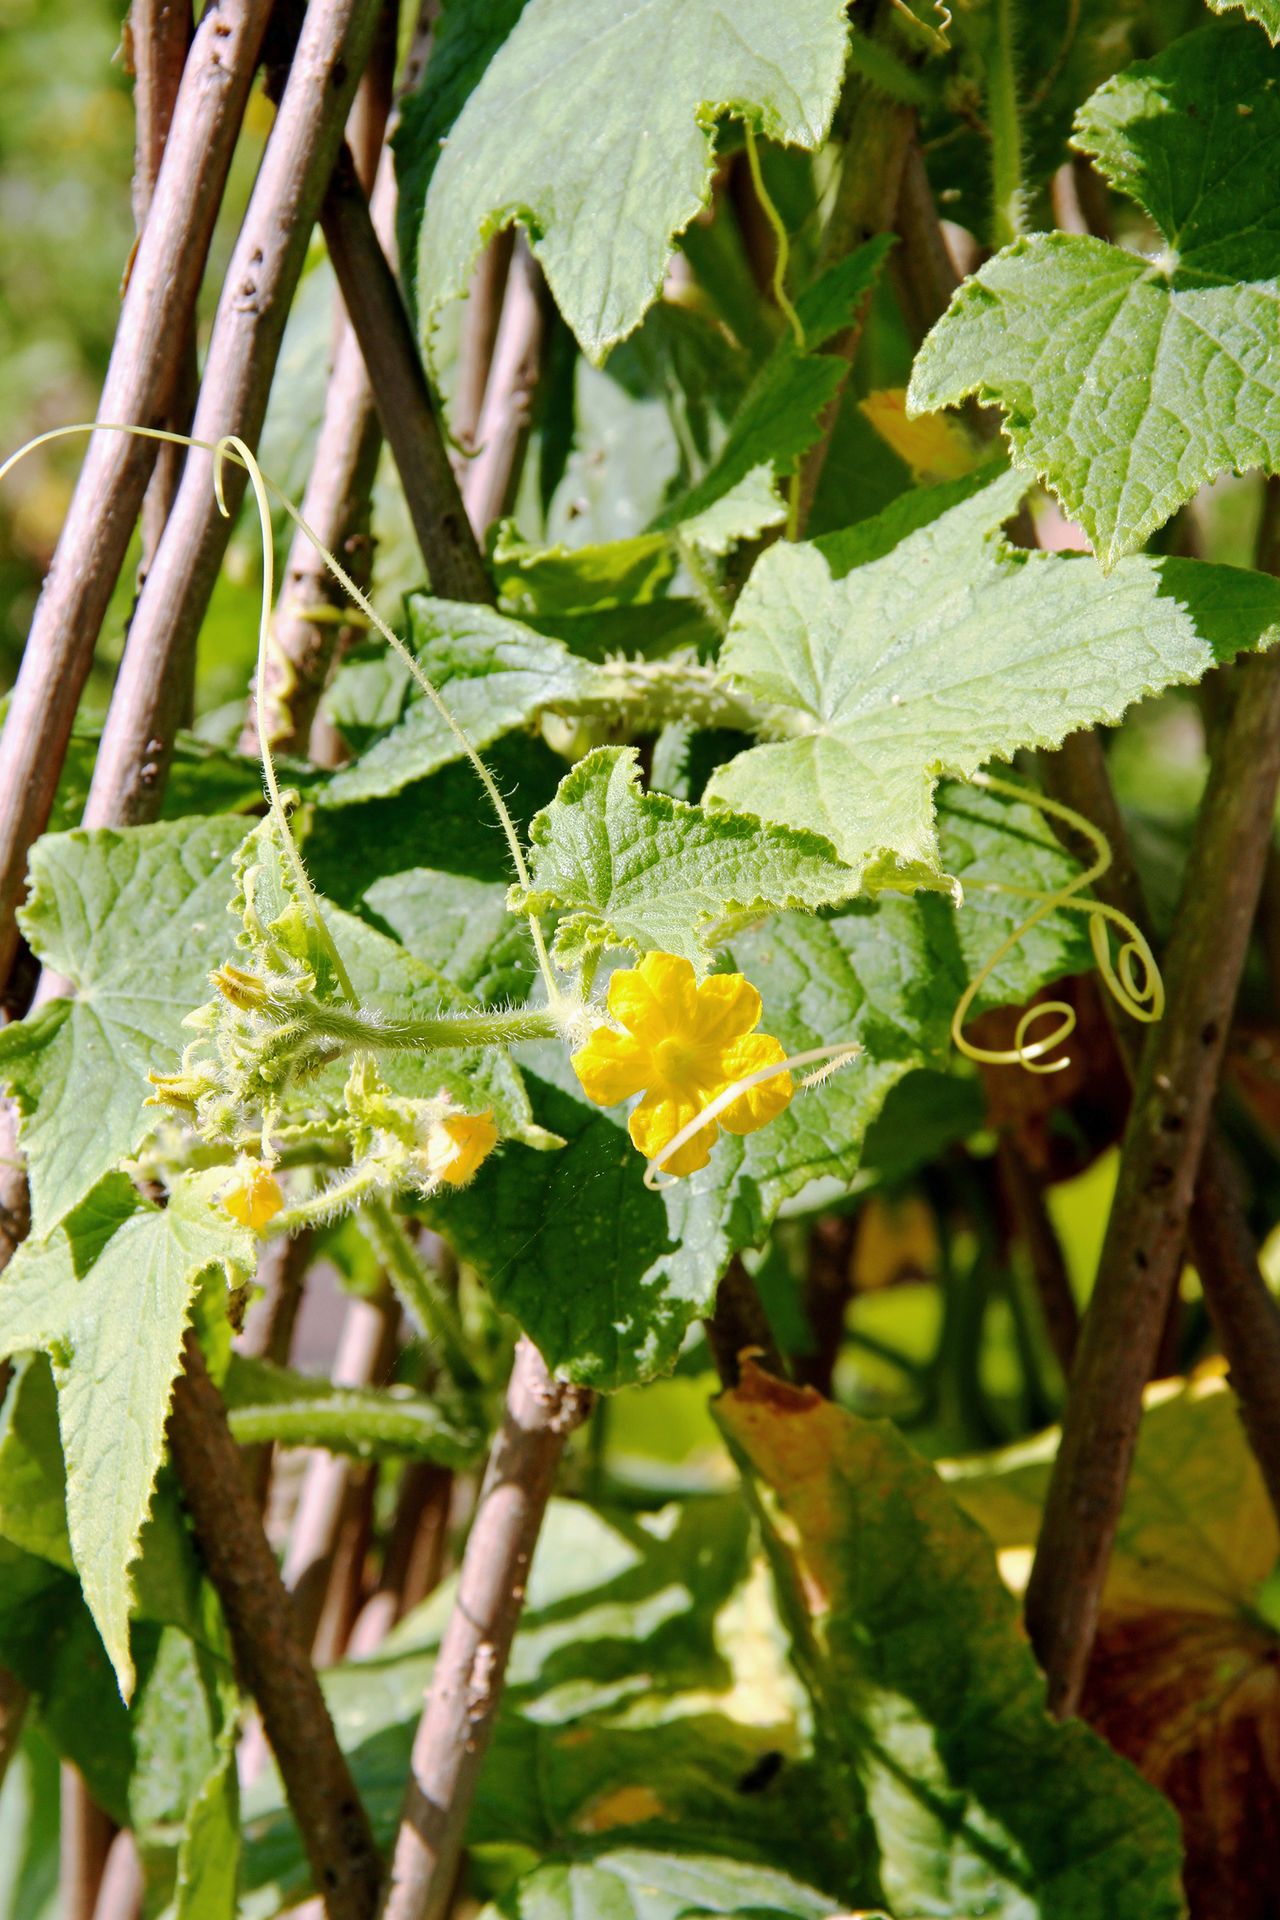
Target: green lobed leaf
<point>459,926</point>
<point>495,676</point>
<point>1127,381</point>
<point>607,1276</point>
<point>272,1403</point>
<point>107,1296</point>
<point>592,126</point>
<point>951,649</point>
<point>648,1703</point>
<point>183,1796</point>
<point>925,1691</point>
<point>464,39</point>
<point>134,918</point>
<point>387,980</point>
<point>629,868</point>
<point>1265,12</point>
<point>638,1883</point>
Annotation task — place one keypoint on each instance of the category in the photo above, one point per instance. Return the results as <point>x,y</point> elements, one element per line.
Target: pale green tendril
<point>832,1059</point>
<point>1134,981</point>
<point>233,448</point>
<point>782,260</point>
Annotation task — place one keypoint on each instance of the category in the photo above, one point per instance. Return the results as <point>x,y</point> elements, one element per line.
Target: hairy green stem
<point>1008,213</point>
<point>420,1292</point>
<point>433,1034</point>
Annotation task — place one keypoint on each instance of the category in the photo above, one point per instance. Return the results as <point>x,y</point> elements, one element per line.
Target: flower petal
<point>655,998</point>
<point>759,1104</point>
<point>728,1006</point>
<point>610,1067</point>
<point>659,1118</point>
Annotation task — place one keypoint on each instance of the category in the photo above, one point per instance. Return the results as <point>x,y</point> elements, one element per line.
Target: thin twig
<point>507,413</point>
<point>159,35</point>
<point>365,1350</point>
<point>866,200</point>
<point>457,1721</point>
<point>141,380</point>
<point>377,313</point>
<point>270,1655</point>
<point>338,497</point>
<point>1167,1129</point>
<point>137,741</point>
<point>84,1837</point>
<point>479,332</point>
<point>828,1289</point>
<point>13,1713</point>
<point>738,1325</point>
<point>121,1889</point>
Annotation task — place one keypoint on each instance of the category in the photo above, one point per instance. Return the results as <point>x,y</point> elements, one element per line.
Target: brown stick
<point>145,365</point>
<point>1167,1129</point>
<point>13,1712</point>
<point>272,1660</point>
<point>146,707</point>
<point>507,413</point>
<point>453,1733</point>
<point>268,1329</point>
<point>340,484</point>
<point>364,1355</point>
<point>121,1889</point>
<point>479,332</point>
<point>377,314</point>
<point>85,1836</point>
<point>159,37</point>
<point>738,1325</point>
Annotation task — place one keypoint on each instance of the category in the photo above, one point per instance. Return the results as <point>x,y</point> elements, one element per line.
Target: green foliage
<point>602,212</point>
<point>924,1690</point>
<point>950,649</point>
<point>271,1403</point>
<point>107,1296</point>
<point>1265,12</point>
<point>1127,380</point>
<point>730,718</point>
<point>628,868</point>
<point>885,976</point>
<point>134,920</point>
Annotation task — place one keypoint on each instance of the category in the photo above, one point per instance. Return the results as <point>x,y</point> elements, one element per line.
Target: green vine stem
<point>421,1293</point>
<point>1008,196</point>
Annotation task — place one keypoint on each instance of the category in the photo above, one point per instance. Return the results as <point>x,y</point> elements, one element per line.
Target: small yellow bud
<point>458,1144</point>
<point>242,989</point>
<point>255,1198</point>
<point>180,1090</point>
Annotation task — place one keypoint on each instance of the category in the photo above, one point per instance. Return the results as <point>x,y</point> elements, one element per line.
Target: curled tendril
<point>232,448</point>
<point>831,1059</point>
<point>1132,979</point>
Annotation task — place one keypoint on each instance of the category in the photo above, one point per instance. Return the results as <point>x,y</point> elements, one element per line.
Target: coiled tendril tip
<point>1132,979</point>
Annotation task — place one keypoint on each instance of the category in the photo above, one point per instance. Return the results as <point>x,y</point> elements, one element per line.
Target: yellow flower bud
<point>255,1198</point>
<point>458,1144</point>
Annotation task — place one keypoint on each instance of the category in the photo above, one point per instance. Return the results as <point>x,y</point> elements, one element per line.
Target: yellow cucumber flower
<point>457,1144</point>
<point>683,1042</point>
<point>255,1197</point>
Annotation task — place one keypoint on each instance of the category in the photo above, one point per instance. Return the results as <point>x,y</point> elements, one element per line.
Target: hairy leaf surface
<point>605,1275</point>
<point>1127,381</point>
<point>107,1296</point>
<point>926,1689</point>
<point>592,126</point>
<point>134,919</point>
<point>950,649</point>
<point>630,868</point>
